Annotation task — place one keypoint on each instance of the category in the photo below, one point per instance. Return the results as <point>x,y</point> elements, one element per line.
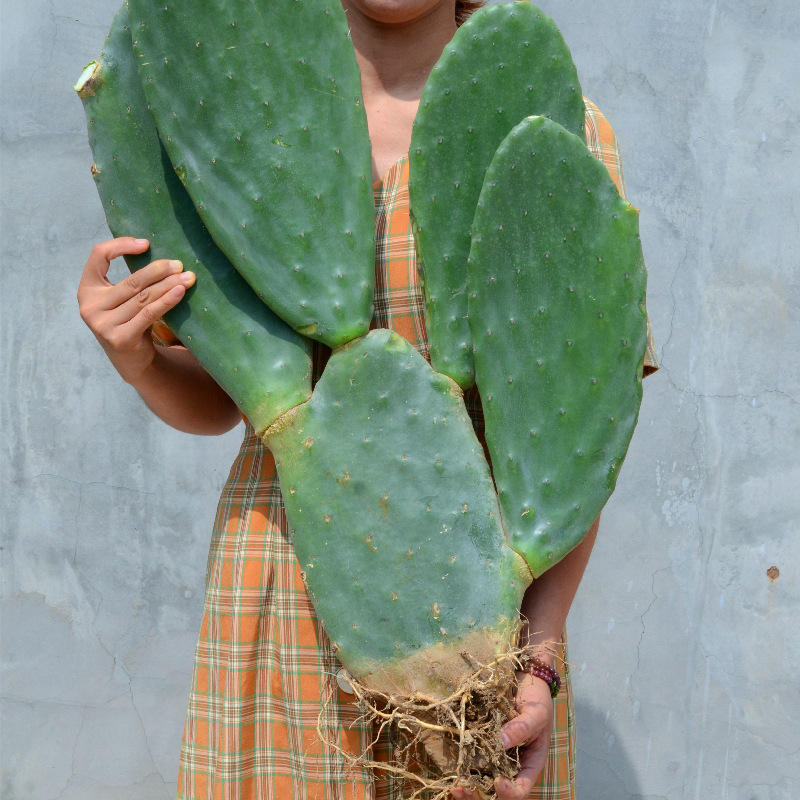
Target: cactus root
<point>448,742</point>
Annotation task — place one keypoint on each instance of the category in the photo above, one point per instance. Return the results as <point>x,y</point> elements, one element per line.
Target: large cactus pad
<point>505,63</point>
<point>252,354</point>
<point>259,107</point>
<point>399,532</point>
<point>557,286</point>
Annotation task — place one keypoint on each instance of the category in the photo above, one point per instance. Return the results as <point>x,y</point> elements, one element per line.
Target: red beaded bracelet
<point>538,669</point>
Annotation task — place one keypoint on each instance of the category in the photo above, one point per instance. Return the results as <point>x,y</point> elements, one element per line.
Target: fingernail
<point>506,741</point>
<point>175,266</point>
<point>187,277</point>
<point>140,241</point>
<point>178,291</point>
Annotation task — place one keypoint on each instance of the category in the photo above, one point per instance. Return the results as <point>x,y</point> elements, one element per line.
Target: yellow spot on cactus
<point>327,519</point>
<point>395,596</point>
<point>309,443</point>
<point>436,611</point>
<point>409,552</point>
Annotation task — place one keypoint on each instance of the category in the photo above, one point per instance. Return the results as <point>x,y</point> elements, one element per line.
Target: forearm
<point>548,599</point>
<point>181,393</point>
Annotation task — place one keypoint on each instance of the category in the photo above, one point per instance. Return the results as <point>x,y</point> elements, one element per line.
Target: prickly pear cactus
<point>531,259</point>
<point>251,353</point>
<point>556,307</point>
<point>259,107</point>
<point>505,63</point>
<point>399,534</point>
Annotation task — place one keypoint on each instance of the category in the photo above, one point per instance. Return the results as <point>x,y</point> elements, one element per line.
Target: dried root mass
<point>445,742</point>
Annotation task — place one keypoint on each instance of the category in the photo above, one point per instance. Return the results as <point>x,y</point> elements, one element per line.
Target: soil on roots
<point>446,742</point>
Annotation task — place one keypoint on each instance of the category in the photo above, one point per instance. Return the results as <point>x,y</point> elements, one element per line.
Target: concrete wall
<point>686,652</point>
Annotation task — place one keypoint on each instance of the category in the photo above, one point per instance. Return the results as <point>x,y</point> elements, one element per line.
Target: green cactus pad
<point>259,107</point>
<point>256,357</point>
<point>505,63</point>
<point>399,530</point>
<point>556,306</point>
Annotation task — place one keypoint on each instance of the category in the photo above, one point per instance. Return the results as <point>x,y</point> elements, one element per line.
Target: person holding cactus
<point>265,674</point>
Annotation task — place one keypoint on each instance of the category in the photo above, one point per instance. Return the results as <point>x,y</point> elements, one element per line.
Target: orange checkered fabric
<point>264,673</point>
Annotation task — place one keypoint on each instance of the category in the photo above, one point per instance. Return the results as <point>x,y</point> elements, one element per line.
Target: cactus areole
<point>235,139</point>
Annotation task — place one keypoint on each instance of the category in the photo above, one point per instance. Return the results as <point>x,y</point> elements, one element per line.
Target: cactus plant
<point>556,308</point>
<point>252,354</point>
<point>260,110</point>
<point>508,62</point>
<point>415,568</point>
<point>399,533</point>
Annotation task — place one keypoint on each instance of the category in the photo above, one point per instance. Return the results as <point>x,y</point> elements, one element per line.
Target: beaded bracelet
<point>538,669</point>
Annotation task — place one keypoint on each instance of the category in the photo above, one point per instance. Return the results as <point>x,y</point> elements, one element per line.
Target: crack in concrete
<point>671,568</point>
<point>52,701</point>
<point>144,729</point>
<point>732,396</point>
<point>83,483</point>
<point>119,665</point>
<point>77,529</point>
<point>74,755</point>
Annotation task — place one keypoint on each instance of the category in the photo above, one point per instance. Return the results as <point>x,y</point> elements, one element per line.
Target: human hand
<point>532,728</point>
<point>120,315</point>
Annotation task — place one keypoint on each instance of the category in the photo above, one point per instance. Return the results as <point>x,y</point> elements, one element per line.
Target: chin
<point>397,12</point>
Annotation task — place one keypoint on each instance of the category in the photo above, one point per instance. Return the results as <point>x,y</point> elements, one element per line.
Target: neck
<point>396,51</point>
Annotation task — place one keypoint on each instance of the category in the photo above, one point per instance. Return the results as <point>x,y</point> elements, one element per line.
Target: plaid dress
<point>264,675</point>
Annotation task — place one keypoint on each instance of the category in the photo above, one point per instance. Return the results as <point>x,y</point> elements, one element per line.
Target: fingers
<point>104,253</point>
<point>535,707</point>
<point>530,731</point>
<point>526,778</point>
<point>150,304</point>
<point>120,314</point>
<point>159,282</point>
<point>532,758</point>
<point>517,732</point>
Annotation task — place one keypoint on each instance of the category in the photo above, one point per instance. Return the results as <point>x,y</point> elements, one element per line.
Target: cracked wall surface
<point>685,650</point>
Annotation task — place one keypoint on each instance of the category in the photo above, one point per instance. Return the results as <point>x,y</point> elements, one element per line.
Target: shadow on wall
<point>604,771</point>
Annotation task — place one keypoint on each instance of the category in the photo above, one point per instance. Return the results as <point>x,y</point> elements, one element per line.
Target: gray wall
<point>686,657</point>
